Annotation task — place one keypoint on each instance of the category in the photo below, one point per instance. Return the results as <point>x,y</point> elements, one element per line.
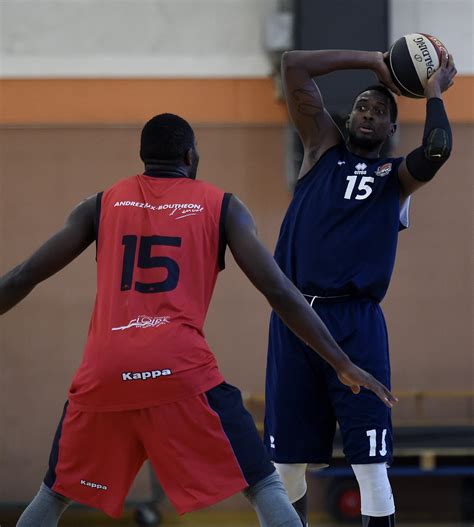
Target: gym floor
<point>84,518</point>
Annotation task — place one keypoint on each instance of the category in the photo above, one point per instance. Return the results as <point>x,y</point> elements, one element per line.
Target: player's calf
<point>270,501</point>
<point>293,476</point>
<point>45,509</point>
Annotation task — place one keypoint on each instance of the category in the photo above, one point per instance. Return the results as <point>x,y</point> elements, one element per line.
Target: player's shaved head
<point>166,137</point>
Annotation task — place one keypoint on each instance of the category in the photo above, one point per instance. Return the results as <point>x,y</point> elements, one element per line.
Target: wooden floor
<point>79,518</point>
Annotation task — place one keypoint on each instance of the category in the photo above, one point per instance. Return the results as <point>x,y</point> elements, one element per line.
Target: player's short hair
<point>389,95</point>
<point>165,136</point>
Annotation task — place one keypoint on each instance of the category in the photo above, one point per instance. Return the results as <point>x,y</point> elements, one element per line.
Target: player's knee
<point>294,479</point>
<point>375,490</point>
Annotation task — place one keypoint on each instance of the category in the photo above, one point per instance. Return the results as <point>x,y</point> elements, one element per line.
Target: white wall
<point>180,38</point>
<point>452,21</point>
<point>151,38</point>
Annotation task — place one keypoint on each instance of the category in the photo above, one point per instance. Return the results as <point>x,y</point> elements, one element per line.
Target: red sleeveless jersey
<point>160,246</point>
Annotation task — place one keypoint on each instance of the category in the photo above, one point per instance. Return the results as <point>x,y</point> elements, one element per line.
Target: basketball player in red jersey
<point>149,386</point>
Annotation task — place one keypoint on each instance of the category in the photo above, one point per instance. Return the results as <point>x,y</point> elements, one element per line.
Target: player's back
<point>160,245</point>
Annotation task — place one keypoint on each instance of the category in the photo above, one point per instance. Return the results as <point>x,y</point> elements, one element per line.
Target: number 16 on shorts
<point>372,435</point>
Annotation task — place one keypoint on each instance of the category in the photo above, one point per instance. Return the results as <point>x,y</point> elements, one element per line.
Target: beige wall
<point>45,172</point>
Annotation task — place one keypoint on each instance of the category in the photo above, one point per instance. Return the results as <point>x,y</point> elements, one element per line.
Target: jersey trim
<point>50,478</point>
<point>222,235</point>
<point>98,207</point>
<point>158,173</point>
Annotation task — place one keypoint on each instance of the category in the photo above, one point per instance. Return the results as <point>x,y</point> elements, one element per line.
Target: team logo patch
<point>144,321</point>
<point>384,170</point>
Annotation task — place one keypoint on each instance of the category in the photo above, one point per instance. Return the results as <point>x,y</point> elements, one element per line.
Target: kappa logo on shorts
<point>98,486</point>
<point>144,375</point>
<point>144,321</point>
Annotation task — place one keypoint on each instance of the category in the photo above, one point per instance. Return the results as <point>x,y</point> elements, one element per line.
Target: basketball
<point>412,59</point>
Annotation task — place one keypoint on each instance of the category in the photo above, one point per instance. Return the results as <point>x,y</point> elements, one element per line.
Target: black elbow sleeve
<point>425,161</point>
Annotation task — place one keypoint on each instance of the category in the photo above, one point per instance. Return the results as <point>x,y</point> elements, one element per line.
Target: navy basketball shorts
<point>203,449</point>
<point>305,399</point>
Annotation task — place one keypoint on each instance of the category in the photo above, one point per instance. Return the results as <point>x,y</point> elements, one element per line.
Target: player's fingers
<point>383,393</point>
<point>387,81</point>
<point>389,397</point>
<point>355,388</point>
<point>444,59</point>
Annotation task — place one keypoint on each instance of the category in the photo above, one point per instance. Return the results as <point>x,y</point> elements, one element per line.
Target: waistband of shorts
<point>334,299</point>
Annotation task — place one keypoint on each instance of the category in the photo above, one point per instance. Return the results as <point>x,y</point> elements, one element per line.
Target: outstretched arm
<point>261,269</point>
<point>315,126</point>
<point>69,242</point>
<point>421,165</point>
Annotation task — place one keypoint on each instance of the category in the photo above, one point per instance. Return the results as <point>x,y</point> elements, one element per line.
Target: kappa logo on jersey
<point>144,375</point>
<point>144,321</point>
<point>384,170</point>
<point>179,210</point>
<point>360,169</point>
<point>98,486</point>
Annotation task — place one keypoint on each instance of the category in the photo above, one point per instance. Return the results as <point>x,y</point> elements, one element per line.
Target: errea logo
<point>97,486</point>
<point>360,169</point>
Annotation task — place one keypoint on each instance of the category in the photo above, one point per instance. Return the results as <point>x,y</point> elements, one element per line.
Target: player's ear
<point>393,129</point>
<point>189,157</point>
<point>348,120</point>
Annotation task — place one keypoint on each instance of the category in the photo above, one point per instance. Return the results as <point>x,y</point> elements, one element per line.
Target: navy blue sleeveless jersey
<point>340,232</point>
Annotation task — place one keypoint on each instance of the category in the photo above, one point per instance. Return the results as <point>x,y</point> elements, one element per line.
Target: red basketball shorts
<point>203,450</point>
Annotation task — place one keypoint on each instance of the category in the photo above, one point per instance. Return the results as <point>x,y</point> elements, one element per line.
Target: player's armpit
<point>71,240</point>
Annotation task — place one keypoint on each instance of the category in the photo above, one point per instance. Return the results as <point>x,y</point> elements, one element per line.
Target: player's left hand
<point>355,377</point>
<point>443,77</point>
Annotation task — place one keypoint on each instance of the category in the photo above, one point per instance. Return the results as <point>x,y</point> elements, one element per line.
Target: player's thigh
<point>364,420</point>
<point>95,457</point>
<point>205,448</point>
<point>299,419</point>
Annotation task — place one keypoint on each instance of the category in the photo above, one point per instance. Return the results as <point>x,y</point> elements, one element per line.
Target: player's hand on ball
<point>443,77</point>
<point>355,377</point>
<point>383,73</point>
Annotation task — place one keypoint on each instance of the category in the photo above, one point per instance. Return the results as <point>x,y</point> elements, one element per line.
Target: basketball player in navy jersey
<point>146,360</point>
<point>337,244</point>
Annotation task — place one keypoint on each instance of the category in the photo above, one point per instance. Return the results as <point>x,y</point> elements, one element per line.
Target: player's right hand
<point>355,377</point>
<point>382,71</point>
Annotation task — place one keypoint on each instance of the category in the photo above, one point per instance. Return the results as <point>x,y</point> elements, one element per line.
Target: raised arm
<point>317,130</point>
<point>69,242</point>
<point>261,269</point>
<point>421,165</point>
